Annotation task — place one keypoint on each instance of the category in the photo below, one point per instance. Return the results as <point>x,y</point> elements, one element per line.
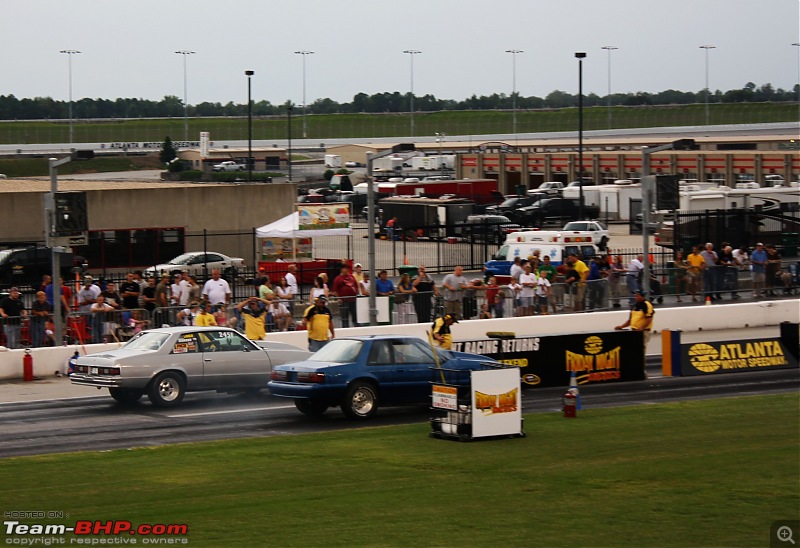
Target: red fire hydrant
<point>27,366</point>
<point>570,405</point>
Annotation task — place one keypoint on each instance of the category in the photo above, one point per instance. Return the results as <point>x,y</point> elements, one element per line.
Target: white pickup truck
<point>229,165</point>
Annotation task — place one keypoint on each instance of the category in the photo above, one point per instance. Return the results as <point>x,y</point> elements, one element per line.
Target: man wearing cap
<point>441,331</point>
<point>87,295</point>
<point>12,310</point>
<point>318,321</point>
<point>254,315</point>
<point>641,317</point>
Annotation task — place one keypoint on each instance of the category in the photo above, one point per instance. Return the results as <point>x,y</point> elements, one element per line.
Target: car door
<point>186,356</point>
<point>230,361</point>
<point>381,367</point>
<point>413,372</point>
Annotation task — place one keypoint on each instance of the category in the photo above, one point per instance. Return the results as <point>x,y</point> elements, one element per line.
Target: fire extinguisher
<point>27,366</point>
<point>570,405</point>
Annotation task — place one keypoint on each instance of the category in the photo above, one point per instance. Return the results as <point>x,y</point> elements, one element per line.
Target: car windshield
<point>183,259</point>
<point>146,340</point>
<point>4,254</point>
<point>338,351</point>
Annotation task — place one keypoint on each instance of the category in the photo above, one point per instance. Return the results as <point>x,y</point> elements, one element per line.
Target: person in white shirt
<point>216,290</point>
<point>291,279</point>
<point>543,288</point>
<point>87,295</point>
<point>279,314</point>
<point>528,282</point>
<point>175,291</point>
<point>634,277</point>
<point>514,291</point>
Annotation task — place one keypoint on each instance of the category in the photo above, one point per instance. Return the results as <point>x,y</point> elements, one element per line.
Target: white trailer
<point>333,160</point>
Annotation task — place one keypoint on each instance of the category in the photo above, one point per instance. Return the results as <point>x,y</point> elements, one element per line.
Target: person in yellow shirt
<point>695,272</point>
<point>641,317</point>
<point>254,315</point>
<point>583,271</point>
<point>205,318</point>
<point>318,320</point>
<point>441,331</point>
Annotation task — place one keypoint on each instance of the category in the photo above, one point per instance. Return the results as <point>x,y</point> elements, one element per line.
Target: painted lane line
<point>247,410</point>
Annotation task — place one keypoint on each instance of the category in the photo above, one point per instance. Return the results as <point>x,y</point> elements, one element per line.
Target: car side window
<point>186,344</point>
<point>406,351</point>
<point>214,258</point>
<point>380,353</point>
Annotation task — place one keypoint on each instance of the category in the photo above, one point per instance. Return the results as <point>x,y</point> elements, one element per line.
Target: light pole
<point>440,139</point>
<point>249,74</point>
<point>185,53</point>
<point>580,56</point>
<point>797,45</point>
<point>304,53</point>
<point>289,139</point>
<point>708,90</point>
<point>411,53</point>
<point>609,49</point>
<point>69,53</point>
<point>514,53</point>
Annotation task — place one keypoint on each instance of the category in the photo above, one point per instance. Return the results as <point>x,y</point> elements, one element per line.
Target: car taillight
<point>310,377</point>
<point>81,369</point>
<point>278,375</point>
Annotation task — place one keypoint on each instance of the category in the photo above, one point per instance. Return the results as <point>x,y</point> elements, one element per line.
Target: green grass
<point>712,473</point>
<point>387,125</point>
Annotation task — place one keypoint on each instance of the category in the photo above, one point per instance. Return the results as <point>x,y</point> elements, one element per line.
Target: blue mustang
<point>359,373</point>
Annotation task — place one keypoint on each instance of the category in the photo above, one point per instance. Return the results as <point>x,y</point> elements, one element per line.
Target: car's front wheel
<point>167,389</point>
<point>127,396</point>
<point>361,401</point>
<point>310,407</point>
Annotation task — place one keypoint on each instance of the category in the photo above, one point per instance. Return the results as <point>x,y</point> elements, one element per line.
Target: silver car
<point>166,363</point>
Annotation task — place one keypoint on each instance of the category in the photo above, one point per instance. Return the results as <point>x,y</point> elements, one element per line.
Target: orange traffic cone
<point>708,301</point>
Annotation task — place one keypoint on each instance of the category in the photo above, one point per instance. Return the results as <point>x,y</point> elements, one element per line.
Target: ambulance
<point>556,244</point>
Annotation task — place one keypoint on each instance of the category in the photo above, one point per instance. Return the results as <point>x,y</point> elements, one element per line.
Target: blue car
<point>360,373</point>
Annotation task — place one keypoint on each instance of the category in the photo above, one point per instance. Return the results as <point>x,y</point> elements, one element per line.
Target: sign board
<point>445,397</point>
<point>324,216</point>
<point>712,358</point>
<point>81,238</point>
<point>205,140</point>
<point>549,361</point>
<point>273,249</point>
<point>496,402</point>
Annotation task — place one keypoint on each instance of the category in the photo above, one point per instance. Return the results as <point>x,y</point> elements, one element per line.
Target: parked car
<point>599,231</point>
<point>168,362</point>
<point>229,165</point>
<point>27,265</point>
<point>359,374</point>
<point>551,188</point>
<point>512,202</point>
<point>489,228</point>
<point>552,210</point>
<point>200,263</point>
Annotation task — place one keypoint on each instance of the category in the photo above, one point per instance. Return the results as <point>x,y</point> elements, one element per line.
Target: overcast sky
<point>127,47</point>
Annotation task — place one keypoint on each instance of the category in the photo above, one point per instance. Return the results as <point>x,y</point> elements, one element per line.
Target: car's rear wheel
<point>127,396</point>
<point>361,401</point>
<point>310,407</point>
<point>167,389</point>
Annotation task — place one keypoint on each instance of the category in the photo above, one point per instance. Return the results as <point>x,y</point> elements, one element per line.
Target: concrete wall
<point>732,316</point>
<point>196,206</point>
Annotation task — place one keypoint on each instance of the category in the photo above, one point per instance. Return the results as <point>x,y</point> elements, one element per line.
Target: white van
<point>555,244</point>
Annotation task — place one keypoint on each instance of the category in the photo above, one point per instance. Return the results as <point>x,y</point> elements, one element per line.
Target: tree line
<point>44,108</point>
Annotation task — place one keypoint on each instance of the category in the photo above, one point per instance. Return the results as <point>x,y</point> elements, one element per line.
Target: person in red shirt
<point>346,288</point>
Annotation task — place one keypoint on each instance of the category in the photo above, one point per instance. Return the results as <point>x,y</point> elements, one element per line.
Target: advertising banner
<point>549,361</point>
<point>711,358</point>
<point>496,403</point>
<point>324,216</point>
<point>273,249</point>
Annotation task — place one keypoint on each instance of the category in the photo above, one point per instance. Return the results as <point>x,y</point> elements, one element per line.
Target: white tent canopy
<point>289,227</point>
